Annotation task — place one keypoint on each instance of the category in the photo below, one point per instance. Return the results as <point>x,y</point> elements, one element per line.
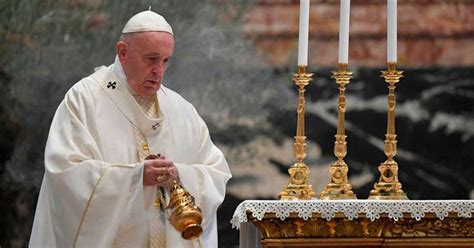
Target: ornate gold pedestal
<point>298,188</point>
<point>388,187</point>
<point>430,231</point>
<point>339,187</point>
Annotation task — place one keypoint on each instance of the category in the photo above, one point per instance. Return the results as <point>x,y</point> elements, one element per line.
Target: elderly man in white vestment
<point>98,189</point>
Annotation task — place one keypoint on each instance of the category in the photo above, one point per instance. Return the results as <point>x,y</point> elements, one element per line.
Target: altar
<point>349,223</point>
<point>337,218</point>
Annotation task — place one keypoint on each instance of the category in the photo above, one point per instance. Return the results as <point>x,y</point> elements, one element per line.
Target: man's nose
<point>159,68</point>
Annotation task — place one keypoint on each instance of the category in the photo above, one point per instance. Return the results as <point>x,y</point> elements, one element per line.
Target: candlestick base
<point>339,187</point>
<point>388,187</point>
<point>297,188</point>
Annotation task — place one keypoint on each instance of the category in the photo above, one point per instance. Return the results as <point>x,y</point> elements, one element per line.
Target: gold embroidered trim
<point>157,106</point>
<point>87,207</point>
<point>199,242</point>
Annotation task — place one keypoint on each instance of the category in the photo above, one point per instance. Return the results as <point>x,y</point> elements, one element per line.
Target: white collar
<point>117,69</point>
<point>116,90</point>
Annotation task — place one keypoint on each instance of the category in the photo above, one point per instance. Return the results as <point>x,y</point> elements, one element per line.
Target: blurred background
<point>233,61</point>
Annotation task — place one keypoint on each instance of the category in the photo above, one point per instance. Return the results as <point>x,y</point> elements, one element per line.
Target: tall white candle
<point>344,31</point>
<point>303,33</point>
<point>391,30</point>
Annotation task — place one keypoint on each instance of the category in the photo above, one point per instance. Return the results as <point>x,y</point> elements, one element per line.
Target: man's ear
<point>121,50</point>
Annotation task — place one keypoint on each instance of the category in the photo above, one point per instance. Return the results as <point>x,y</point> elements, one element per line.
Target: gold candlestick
<point>298,187</point>
<point>388,187</point>
<point>339,187</point>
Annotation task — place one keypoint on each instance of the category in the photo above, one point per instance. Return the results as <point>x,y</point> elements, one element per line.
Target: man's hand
<point>159,172</point>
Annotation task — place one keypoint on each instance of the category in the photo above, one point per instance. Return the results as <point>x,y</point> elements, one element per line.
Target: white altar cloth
<point>352,208</point>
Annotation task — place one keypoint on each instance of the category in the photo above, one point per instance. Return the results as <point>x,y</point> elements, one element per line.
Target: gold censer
<point>185,217</point>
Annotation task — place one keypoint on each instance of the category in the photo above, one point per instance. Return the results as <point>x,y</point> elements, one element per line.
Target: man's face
<point>144,58</point>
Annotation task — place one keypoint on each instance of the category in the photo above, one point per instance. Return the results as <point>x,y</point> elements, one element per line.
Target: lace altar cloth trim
<point>352,208</point>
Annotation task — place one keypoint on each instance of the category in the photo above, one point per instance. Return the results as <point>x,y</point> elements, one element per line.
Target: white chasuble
<point>92,193</point>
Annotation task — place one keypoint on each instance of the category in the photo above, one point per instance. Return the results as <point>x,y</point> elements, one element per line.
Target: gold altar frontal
<point>340,231</point>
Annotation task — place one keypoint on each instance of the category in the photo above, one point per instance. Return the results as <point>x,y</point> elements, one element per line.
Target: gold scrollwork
<point>316,227</point>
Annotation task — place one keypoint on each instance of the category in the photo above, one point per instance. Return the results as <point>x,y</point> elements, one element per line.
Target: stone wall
<point>430,32</point>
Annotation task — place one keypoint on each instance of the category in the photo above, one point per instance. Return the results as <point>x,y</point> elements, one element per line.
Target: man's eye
<point>151,59</point>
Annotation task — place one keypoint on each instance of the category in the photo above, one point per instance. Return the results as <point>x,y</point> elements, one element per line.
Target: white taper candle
<point>391,30</point>
<point>344,31</point>
<point>303,33</point>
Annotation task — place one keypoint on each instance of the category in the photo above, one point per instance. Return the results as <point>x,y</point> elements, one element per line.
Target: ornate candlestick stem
<point>388,187</point>
<point>298,187</point>
<point>339,187</point>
